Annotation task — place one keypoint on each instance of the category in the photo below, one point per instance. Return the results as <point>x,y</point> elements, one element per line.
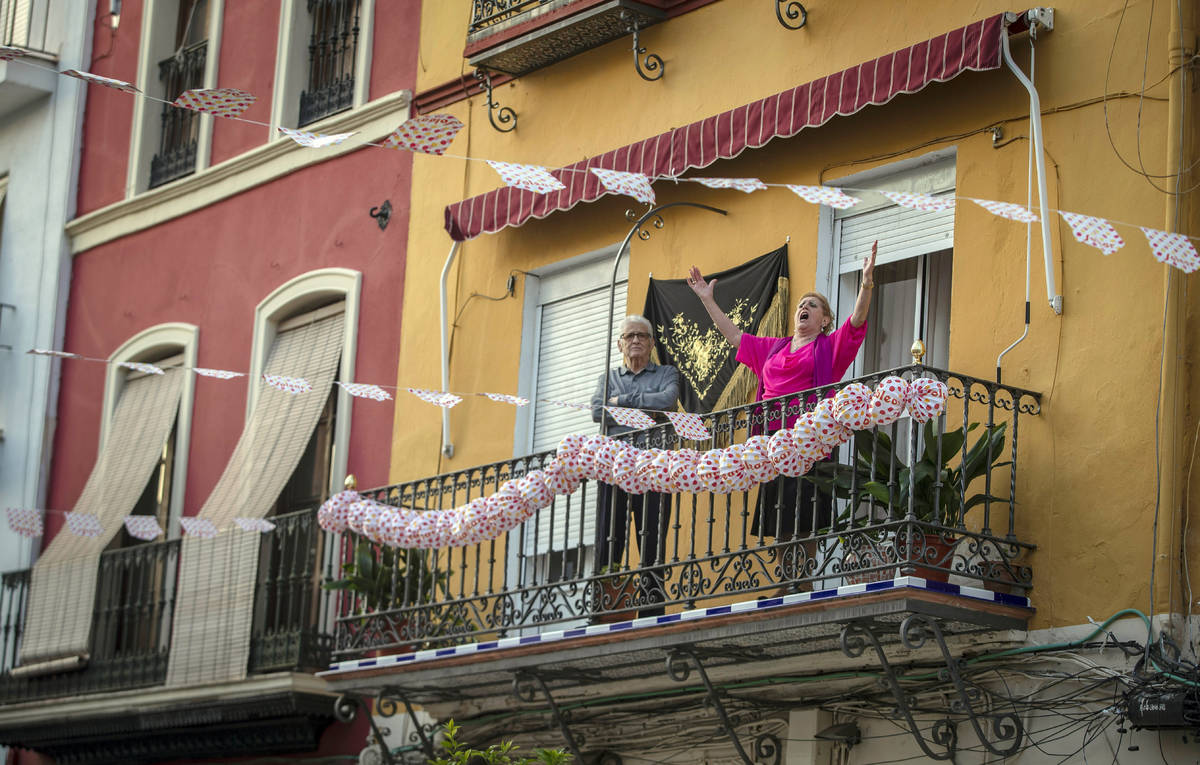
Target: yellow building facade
<point>1090,503</point>
<point>1104,491</point>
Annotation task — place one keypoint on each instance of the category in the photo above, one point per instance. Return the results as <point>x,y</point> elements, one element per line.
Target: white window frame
<point>591,268</point>
<point>156,43</point>
<point>157,342</point>
<point>291,64</point>
<point>931,173</point>
<point>583,272</point>
<point>295,297</point>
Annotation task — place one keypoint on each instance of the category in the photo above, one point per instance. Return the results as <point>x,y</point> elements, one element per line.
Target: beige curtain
<point>62,589</point>
<point>214,605</point>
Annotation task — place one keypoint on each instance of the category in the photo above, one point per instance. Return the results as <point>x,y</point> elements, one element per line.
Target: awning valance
<point>975,47</point>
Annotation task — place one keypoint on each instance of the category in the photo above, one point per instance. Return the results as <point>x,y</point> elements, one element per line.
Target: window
<point>332,51</point>
<point>291,453</point>
<point>309,485</point>
<point>562,357</point>
<point>183,70</point>
<point>142,413</point>
<point>324,60</point>
<point>913,270</point>
<point>178,52</point>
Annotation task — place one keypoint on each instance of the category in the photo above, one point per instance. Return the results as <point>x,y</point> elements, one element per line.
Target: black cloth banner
<point>686,337</point>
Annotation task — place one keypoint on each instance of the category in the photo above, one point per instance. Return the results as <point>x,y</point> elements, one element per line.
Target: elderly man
<point>640,384</point>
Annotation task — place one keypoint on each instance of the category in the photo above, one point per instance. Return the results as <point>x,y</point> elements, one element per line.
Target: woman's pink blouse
<point>791,371</point>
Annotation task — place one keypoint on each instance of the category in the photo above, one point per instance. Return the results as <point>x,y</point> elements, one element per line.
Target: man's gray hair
<point>634,318</point>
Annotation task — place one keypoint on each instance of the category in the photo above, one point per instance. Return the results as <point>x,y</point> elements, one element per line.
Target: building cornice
<point>278,157</point>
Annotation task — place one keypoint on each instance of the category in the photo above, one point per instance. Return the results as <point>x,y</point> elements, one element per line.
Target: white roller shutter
<point>902,233</point>
<point>569,361</point>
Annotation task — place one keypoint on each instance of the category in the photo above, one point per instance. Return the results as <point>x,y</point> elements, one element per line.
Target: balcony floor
<point>794,634</point>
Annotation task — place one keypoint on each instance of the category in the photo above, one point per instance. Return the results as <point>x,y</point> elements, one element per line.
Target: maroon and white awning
<point>975,47</point>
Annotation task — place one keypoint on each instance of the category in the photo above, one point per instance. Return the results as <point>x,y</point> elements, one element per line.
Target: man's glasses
<point>636,336</point>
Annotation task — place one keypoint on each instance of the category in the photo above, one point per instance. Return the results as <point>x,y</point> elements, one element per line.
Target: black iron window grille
<point>176,155</point>
<point>332,51</point>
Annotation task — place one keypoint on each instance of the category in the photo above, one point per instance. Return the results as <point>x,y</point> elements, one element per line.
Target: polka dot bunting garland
<point>790,452</point>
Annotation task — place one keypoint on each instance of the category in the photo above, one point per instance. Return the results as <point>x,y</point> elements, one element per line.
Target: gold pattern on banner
<point>698,355</point>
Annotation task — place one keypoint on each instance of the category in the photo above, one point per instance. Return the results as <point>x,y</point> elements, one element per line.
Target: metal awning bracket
<point>1039,19</point>
<point>526,686</point>
<point>767,747</point>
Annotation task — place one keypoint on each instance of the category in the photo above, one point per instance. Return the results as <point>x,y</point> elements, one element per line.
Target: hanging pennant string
<point>432,134</point>
<point>27,522</point>
<point>724,470</point>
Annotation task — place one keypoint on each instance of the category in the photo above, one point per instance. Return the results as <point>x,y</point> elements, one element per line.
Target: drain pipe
<point>1028,236</point>
<point>447,446</point>
<point>1043,17</point>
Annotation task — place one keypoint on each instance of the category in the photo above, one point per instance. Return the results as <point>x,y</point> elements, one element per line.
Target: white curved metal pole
<point>1035,130</point>
<point>447,446</point>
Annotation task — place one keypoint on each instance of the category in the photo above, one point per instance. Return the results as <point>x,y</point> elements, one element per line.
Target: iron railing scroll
<point>883,525</point>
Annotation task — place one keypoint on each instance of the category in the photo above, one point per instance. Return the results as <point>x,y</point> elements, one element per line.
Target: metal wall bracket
<point>1005,726</point>
<point>788,11</point>
<point>382,214</point>
<point>854,640</point>
<point>653,63</point>
<point>767,747</point>
<point>497,115</point>
<point>526,686</point>
<point>914,631</point>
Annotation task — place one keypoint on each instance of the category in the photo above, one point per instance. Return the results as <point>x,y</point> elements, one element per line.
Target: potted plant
<point>932,484</point>
<point>383,578</point>
<point>457,752</point>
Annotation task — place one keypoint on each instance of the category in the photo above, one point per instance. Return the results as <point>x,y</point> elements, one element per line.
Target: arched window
<point>292,449</point>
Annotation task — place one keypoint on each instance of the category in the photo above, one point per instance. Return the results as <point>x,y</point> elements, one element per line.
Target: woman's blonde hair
<point>824,307</point>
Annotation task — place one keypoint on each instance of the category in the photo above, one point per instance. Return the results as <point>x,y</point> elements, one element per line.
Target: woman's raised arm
<point>862,305</point>
<point>704,291</point>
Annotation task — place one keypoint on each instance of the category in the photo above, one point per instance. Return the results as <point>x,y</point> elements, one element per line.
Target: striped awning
<point>975,47</point>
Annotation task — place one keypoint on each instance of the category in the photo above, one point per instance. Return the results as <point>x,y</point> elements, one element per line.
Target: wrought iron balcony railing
<point>516,37</point>
<point>176,155</point>
<point>131,626</point>
<point>486,13</point>
<point>953,513</point>
<point>135,601</point>
<point>293,617</point>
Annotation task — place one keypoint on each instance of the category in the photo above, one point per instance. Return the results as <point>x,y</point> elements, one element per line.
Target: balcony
<point>519,36</point>
<point>23,24</point>
<point>130,651</point>
<point>943,546</point>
